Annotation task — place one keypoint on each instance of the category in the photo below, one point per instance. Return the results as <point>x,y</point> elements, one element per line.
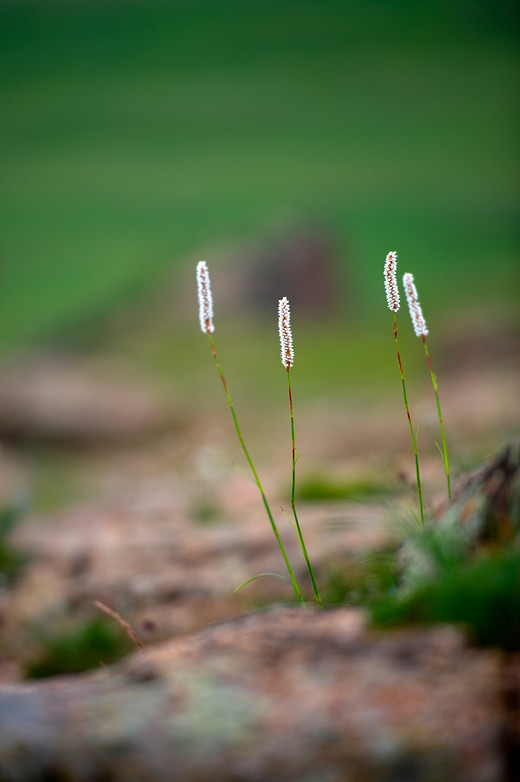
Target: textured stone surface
<point>283,695</point>
<point>487,503</point>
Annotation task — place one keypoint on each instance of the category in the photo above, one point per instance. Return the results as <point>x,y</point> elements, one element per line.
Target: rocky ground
<point>160,523</point>
<point>285,695</point>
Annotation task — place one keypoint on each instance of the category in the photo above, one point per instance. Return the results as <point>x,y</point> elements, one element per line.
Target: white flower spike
<point>205,298</point>
<point>284,328</point>
<point>418,322</point>
<point>391,289</point>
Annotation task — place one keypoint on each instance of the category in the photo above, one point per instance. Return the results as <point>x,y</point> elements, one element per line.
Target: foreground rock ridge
<point>285,694</point>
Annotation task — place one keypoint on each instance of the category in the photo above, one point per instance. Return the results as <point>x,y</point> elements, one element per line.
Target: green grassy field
<point>134,133</point>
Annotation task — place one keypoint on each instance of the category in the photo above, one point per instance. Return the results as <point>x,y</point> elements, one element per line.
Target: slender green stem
<point>255,475</point>
<point>414,440</point>
<point>441,421</point>
<point>293,503</point>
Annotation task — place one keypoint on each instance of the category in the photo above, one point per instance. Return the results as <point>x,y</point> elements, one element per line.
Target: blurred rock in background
<point>302,263</point>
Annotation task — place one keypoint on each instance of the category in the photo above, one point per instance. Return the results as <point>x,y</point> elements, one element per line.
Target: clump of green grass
<point>362,580</point>
<point>77,648</point>
<point>482,595</point>
<point>12,561</point>
<point>436,576</point>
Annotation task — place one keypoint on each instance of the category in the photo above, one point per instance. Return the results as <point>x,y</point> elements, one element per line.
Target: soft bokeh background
<point>140,136</point>
<point>292,144</point>
<point>134,134</point>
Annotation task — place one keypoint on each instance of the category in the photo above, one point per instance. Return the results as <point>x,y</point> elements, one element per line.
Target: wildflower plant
<point>287,353</point>
<point>393,301</point>
<point>207,327</point>
<point>419,325</point>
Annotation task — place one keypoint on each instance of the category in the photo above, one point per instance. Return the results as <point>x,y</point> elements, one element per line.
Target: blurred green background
<point>135,133</point>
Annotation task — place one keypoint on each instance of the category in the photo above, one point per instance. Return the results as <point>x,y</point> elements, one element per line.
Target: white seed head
<point>205,298</point>
<point>284,328</point>
<point>418,322</point>
<point>391,289</point>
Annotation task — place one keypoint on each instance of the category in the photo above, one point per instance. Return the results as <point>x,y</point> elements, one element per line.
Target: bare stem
<point>255,475</point>
<point>414,440</point>
<point>293,503</point>
<point>439,413</point>
<point>129,630</point>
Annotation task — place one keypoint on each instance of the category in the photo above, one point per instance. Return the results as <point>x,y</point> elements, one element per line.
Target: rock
<point>301,264</point>
<point>64,401</point>
<point>301,261</point>
<point>283,695</point>
<point>487,504</point>
<point>483,514</point>
<point>154,564</point>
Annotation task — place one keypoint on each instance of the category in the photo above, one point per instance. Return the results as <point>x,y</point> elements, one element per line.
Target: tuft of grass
<point>483,595</point>
<point>94,642</point>
<point>12,561</point>
<point>363,580</point>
